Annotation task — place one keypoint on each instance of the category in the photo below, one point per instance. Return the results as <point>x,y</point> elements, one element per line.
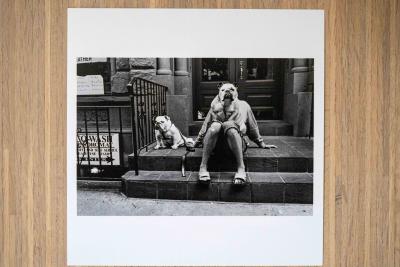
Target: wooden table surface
<point>362,127</point>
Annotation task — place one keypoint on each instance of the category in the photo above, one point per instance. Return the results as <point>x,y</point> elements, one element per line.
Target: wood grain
<point>362,126</point>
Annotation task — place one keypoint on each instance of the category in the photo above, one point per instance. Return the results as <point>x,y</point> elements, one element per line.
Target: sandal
<point>204,177</point>
<point>239,179</point>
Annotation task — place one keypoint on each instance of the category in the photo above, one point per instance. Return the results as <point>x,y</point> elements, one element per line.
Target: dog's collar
<point>166,130</point>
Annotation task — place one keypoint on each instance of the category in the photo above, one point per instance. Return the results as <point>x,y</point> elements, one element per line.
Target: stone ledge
<point>99,185</point>
<point>261,188</point>
<point>292,155</point>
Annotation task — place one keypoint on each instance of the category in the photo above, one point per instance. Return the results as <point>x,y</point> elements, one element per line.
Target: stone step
<point>293,154</point>
<point>266,127</point>
<point>100,184</point>
<point>262,187</point>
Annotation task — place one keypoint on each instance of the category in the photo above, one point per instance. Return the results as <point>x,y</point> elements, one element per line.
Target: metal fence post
<point>134,140</point>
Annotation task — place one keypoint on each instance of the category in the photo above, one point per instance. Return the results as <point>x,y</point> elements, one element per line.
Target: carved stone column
<point>179,104</point>
<point>163,66</point>
<point>298,95</point>
<point>113,66</point>
<point>299,74</point>
<point>181,67</point>
<point>300,65</point>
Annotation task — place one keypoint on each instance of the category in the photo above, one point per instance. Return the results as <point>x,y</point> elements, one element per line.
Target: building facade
<point>278,90</point>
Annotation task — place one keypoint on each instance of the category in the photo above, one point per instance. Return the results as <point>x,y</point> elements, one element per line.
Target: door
<point>259,81</point>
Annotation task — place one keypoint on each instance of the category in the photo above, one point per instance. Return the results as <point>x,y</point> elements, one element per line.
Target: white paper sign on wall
<point>90,85</point>
<point>91,59</point>
<point>93,142</point>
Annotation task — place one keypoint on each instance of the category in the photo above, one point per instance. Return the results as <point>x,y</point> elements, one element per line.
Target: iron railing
<point>148,101</point>
<point>111,127</point>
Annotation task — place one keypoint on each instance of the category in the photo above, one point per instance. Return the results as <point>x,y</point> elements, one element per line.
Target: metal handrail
<point>148,100</point>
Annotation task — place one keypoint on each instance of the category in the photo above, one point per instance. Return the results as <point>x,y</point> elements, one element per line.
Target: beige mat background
<point>362,127</point>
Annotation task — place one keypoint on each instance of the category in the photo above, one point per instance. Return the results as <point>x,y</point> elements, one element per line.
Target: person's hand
<point>197,142</point>
<point>242,128</point>
<point>261,144</point>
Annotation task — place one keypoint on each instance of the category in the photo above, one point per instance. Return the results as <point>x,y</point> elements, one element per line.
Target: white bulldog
<point>225,106</point>
<point>167,134</point>
<point>227,88</point>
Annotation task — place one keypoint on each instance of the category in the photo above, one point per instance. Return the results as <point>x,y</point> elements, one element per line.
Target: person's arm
<point>252,127</point>
<point>203,130</point>
<point>213,114</point>
<point>235,113</point>
<point>216,107</point>
<point>233,116</point>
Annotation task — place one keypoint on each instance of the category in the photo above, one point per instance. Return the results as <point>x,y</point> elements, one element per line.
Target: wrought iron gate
<point>111,127</point>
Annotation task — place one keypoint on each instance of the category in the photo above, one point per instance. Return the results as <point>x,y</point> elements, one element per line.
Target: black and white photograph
<point>195,136</point>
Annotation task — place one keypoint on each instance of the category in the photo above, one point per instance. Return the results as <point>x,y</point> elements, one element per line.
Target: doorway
<point>259,83</point>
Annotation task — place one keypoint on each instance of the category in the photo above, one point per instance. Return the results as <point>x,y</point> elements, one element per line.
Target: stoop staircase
<point>282,175</point>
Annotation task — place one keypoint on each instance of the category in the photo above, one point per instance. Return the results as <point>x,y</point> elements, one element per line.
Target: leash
<point>188,150</point>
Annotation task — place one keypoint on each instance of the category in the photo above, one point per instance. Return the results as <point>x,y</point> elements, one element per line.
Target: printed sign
<point>90,85</point>
<point>91,59</point>
<point>107,154</point>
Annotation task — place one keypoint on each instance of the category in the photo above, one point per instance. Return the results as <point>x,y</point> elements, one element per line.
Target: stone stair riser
<point>262,188</point>
<point>163,163</point>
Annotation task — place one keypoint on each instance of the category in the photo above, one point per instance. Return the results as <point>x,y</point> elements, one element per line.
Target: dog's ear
<point>236,85</point>
<point>219,85</point>
<point>166,117</point>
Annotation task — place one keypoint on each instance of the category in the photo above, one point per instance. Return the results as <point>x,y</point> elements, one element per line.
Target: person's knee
<point>214,128</point>
<point>228,124</point>
<point>232,132</point>
<point>230,128</point>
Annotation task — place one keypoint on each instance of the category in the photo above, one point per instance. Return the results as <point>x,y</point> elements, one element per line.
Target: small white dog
<point>167,134</point>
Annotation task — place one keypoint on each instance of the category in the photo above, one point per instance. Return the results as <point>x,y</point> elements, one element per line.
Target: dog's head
<point>162,123</point>
<point>227,90</point>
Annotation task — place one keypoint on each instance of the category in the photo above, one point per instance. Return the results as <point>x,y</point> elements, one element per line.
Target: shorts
<point>222,146</point>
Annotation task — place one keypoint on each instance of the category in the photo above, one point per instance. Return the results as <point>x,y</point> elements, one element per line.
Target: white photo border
<point>196,240</point>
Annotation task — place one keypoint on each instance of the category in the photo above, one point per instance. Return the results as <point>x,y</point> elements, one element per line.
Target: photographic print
<point>195,137</point>
<point>220,130</point>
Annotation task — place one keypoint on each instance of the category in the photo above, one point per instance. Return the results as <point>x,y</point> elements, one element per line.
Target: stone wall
<point>120,76</point>
<point>175,73</point>
<point>298,94</point>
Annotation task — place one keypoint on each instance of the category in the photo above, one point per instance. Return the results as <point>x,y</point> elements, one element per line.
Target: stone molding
<point>164,66</point>
<point>181,67</point>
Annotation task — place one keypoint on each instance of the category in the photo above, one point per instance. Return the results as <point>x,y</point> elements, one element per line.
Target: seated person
<point>230,124</point>
<point>226,110</point>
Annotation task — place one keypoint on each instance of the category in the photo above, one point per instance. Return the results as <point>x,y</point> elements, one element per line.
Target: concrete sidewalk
<point>106,203</point>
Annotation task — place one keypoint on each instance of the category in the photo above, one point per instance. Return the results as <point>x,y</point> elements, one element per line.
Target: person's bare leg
<point>209,143</point>
<point>235,144</point>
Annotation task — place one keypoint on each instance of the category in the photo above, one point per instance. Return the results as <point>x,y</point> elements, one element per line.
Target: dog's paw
<point>174,147</point>
<point>157,147</point>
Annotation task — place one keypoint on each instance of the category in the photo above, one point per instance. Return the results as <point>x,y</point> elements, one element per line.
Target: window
<point>260,69</point>
<point>214,69</point>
